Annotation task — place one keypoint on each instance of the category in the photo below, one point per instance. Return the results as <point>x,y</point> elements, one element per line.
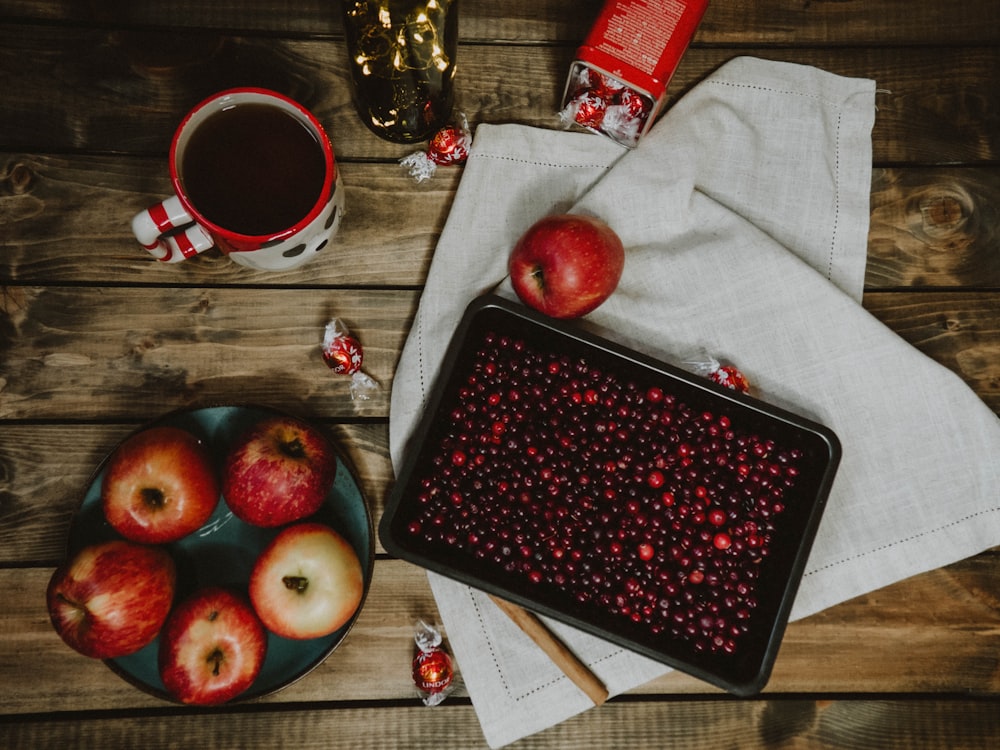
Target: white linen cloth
<point>744,213</point>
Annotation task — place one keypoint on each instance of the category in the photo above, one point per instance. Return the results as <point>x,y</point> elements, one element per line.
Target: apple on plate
<point>212,647</point>
<point>307,582</point>
<point>159,486</point>
<point>111,599</point>
<point>566,265</point>
<point>278,471</point>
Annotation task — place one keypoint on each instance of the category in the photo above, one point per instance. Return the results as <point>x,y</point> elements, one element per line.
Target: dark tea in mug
<point>253,169</point>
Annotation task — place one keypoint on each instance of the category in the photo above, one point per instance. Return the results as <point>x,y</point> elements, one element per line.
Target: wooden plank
<point>886,642</point>
<point>741,21</point>
<point>542,20</point>
<point>66,219</point>
<point>110,353</point>
<point>133,353</point>
<point>847,22</point>
<point>923,116</point>
<point>947,724</point>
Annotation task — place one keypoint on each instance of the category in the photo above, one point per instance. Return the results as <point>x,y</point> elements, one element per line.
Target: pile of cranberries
<point>614,494</point>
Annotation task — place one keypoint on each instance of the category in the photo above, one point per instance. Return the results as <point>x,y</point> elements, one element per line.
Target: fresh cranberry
<point>717,517</point>
<point>616,494</point>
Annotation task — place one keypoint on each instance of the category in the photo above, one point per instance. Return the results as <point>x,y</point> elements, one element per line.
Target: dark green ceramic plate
<point>223,551</point>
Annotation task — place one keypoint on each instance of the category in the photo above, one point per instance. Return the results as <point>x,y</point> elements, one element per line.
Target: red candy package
<point>618,83</point>
<point>433,672</point>
<point>343,354</point>
<point>450,145</point>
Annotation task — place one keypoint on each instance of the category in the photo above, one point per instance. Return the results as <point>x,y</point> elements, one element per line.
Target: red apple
<point>112,598</point>
<point>566,265</point>
<point>160,485</point>
<point>307,582</point>
<point>212,647</point>
<point>278,471</point>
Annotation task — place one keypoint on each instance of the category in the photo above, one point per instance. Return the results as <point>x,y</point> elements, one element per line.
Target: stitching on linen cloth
<point>838,105</point>
<point>420,358</point>
<point>517,160</point>
<point>496,660</point>
<point>836,200</point>
<point>773,90</point>
<point>489,642</point>
<point>904,540</point>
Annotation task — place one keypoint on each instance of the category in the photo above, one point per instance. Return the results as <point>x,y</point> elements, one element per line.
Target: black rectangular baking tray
<point>743,670</point>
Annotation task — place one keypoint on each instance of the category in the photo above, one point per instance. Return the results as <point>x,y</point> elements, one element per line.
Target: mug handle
<point>151,226</point>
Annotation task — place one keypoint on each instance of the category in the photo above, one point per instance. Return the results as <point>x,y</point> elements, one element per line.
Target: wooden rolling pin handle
<point>555,649</point>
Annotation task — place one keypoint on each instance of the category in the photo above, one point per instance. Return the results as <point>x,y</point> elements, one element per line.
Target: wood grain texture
<point>877,644</point>
<point>83,352</point>
<point>891,22</point>
<point>934,228</point>
<point>949,724</point>
<point>922,116</point>
<point>185,346</point>
<point>67,220</point>
<point>96,338</point>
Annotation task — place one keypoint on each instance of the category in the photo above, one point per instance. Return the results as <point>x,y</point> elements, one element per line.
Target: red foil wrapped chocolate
<point>343,354</point>
<point>433,672</point>
<point>588,109</point>
<point>726,375</point>
<point>730,377</point>
<point>450,145</point>
<point>604,104</point>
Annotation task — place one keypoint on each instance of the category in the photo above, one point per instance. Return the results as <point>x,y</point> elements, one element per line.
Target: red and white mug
<point>254,175</point>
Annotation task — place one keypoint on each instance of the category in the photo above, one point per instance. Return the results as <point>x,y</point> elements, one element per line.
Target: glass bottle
<point>402,60</point>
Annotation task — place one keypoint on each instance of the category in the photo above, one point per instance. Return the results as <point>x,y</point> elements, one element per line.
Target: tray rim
<point>747,687</point>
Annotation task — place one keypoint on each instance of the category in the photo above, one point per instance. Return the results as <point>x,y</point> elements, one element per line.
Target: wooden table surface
<point>97,338</point>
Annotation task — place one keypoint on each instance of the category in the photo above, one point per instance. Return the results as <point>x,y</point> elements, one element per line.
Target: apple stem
<point>539,276</point>
<point>296,583</point>
<point>215,658</point>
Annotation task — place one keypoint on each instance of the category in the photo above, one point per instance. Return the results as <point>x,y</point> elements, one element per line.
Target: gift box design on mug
<point>618,83</point>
